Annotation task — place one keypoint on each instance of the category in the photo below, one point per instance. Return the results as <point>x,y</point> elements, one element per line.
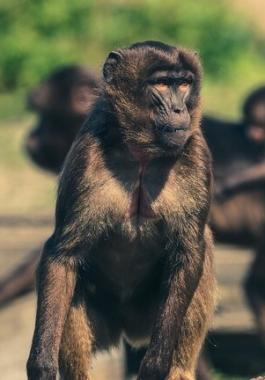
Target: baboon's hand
<point>41,371</point>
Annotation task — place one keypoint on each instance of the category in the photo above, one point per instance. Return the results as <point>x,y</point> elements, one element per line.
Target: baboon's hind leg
<point>76,346</point>
<point>195,325</point>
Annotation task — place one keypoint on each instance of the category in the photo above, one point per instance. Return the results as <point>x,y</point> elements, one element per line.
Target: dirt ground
<point>19,235</point>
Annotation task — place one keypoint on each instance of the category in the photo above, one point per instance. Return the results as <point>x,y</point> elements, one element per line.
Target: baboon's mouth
<point>167,128</point>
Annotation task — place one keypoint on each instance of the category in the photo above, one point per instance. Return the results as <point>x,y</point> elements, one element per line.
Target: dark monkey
<point>238,215</point>
<point>62,102</point>
<point>131,254</point>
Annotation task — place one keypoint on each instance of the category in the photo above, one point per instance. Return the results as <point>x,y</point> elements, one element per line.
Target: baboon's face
<point>61,102</point>
<point>167,92</point>
<point>154,88</point>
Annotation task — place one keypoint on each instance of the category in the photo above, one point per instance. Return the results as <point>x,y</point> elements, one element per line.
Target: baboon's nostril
<point>167,129</point>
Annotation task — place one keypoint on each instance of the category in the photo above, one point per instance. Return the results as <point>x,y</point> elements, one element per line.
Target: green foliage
<point>38,35</point>
<point>205,25</point>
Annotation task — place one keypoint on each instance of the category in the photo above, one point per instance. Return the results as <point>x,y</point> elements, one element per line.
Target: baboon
<point>131,253</point>
<point>62,102</point>
<point>238,212</point>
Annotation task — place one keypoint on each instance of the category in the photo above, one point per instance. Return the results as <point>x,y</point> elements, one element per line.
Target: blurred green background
<point>38,35</point>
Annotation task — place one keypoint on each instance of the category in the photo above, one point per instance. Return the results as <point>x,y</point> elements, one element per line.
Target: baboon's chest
<point>123,265</point>
<point>140,201</point>
<point>134,193</point>
<point>130,251</point>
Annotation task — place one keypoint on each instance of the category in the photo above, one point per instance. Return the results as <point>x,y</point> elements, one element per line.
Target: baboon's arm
<point>56,283</point>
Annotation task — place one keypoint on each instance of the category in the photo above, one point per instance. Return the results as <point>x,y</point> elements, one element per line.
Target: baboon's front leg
<point>56,282</point>
<point>177,295</point>
<point>76,345</point>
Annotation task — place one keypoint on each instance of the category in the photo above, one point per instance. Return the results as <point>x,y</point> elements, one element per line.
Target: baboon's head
<point>154,89</point>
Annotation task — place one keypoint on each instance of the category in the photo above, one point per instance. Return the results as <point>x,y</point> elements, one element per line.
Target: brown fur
<point>106,272</point>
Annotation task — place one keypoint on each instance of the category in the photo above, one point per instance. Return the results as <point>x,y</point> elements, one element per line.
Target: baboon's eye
<point>161,87</point>
<point>184,86</point>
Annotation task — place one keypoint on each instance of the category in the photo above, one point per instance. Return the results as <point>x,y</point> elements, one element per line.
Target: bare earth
<point>18,236</point>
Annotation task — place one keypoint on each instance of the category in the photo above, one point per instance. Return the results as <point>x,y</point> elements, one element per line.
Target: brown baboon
<point>131,254</point>
<point>238,212</point>
<point>62,102</point>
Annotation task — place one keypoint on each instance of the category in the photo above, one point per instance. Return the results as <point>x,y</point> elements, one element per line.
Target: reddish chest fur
<point>140,203</point>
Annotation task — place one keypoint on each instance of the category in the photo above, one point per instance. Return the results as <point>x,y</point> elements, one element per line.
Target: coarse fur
<point>131,254</point>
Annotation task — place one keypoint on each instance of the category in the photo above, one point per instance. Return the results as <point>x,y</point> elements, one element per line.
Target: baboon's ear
<point>110,64</point>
